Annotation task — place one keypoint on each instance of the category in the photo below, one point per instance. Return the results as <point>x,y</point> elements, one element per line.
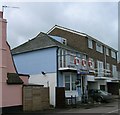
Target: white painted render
<point>90,78</point>
<point>48,80</point>
<point>96,84</point>
<point>69,93</point>
<point>93,85</point>
<point>102,82</point>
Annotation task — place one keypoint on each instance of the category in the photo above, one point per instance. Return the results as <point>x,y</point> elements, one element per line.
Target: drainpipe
<point>105,57</point>
<point>57,65</point>
<point>105,67</point>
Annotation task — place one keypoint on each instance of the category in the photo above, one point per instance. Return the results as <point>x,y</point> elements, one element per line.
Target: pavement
<point>99,108</point>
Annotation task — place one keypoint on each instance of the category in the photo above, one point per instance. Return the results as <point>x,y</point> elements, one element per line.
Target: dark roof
<point>41,41</point>
<point>13,78</point>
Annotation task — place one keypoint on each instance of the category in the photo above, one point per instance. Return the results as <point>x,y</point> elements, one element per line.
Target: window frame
<point>107,51</point>
<point>90,44</point>
<point>64,41</point>
<point>107,66</point>
<point>99,48</point>
<point>100,70</point>
<point>71,75</point>
<point>114,69</point>
<point>113,54</point>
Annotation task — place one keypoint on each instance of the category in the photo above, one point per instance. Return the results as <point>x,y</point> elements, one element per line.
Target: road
<point>102,109</point>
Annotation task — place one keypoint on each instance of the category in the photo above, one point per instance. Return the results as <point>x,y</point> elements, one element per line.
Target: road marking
<point>111,112</point>
<point>114,111</point>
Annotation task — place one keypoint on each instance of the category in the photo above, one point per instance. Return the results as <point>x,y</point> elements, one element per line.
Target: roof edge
<point>79,33</point>
<point>67,29</point>
<point>34,50</point>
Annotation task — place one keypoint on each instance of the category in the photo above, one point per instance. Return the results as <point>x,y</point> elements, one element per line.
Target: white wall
<point>102,82</point>
<point>48,80</point>
<point>93,85</point>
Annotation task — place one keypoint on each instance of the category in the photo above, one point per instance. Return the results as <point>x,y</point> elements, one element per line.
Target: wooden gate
<point>60,97</point>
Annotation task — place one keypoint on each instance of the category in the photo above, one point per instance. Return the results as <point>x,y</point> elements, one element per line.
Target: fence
<point>71,101</point>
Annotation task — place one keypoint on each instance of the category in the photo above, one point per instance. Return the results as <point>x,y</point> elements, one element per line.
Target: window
<point>108,66</point>
<point>99,48</point>
<point>102,87</point>
<point>114,70</point>
<point>73,82</point>
<point>62,57</point>
<point>100,68</point>
<point>64,41</point>
<point>90,44</point>
<point>70,81</point>
<point>72,56</point>
<point>107,51</point>
<point>84,57</point>
<point>113,55</point>
<point>67,82</point>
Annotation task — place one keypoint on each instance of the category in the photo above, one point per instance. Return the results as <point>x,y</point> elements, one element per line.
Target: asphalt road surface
<point>101,109</point>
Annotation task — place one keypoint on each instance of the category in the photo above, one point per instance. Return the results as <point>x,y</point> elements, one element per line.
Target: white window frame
<point>100,68</point>
<point>90,44</point>
<point>64,41</point>
<point>99,48</point>
<point>107,66</point>
<point>107,51</point>
<point>71,75</point>
<point>114,70</point>
<point>113,54</point>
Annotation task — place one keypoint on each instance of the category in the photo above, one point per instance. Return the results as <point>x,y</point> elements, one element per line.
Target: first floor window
<point>100,68</point>
<point>108,66</point>
<point>114,70</point>
<point>70,79</point>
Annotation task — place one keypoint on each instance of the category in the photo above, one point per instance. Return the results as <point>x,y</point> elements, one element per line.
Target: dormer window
<point>64,41</point>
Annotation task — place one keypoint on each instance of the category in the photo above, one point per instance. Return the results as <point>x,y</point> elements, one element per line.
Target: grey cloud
<point>96,19</point>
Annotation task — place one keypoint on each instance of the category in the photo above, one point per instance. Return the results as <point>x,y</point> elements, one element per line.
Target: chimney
<point>3,50</point>
<point>1,14</point>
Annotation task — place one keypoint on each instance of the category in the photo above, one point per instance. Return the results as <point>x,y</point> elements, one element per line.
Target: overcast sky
<point>97,19</point>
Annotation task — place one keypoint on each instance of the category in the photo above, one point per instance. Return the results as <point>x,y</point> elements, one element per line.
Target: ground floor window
<point>102,87</point>
<point>69,81</point>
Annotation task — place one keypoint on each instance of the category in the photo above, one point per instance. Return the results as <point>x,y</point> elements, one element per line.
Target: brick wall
<point>35,98</point>
<point>80,43</point>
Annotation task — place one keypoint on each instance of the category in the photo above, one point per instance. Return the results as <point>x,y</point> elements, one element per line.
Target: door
<point>100,68</point>
<point>60,97</point>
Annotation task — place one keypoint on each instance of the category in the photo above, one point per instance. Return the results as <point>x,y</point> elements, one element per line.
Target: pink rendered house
<point>10,81</point>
